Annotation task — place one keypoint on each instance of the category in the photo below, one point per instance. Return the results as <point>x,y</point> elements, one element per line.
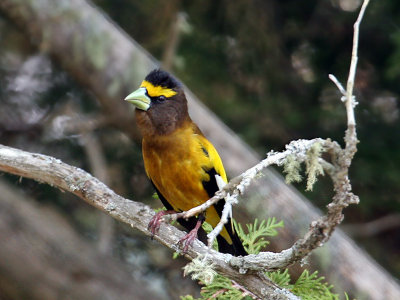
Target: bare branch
<point>353,66</point>
<point>338,84</point>
<point>46,169</point>
<point>226,213</point>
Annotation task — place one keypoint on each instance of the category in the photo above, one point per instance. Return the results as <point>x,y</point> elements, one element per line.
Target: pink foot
<point>188,239</point>
<point>155,222</point>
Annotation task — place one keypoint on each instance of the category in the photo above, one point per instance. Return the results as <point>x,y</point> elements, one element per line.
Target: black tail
<point>236,248</point>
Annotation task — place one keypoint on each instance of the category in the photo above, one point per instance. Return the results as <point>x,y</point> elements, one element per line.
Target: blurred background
<point>261,66</point>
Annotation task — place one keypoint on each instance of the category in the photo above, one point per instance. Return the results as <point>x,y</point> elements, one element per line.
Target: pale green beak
<point>139,98</point>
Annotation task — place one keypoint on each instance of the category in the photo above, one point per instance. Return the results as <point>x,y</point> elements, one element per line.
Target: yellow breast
<point>175,165</point>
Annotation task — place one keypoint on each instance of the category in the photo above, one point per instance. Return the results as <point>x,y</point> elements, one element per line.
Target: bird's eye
<point>161,98</point>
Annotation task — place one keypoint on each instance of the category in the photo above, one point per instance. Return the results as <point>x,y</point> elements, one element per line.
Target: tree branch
<point>47,169</point>
<point>350,102</point>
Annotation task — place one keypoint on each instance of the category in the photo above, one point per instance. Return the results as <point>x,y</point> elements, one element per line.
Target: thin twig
<point>353,66</point>
<point>338,84</point>
<point>226,212</point>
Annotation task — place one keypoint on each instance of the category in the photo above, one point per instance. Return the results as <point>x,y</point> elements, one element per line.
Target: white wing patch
<point>220,182</point>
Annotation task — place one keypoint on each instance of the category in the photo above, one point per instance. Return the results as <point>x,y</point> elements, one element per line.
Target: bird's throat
<point>151,126</point>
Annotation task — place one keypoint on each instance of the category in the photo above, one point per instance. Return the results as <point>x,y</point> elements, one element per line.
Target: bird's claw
<point>188,240</point>
<point>155,222</point>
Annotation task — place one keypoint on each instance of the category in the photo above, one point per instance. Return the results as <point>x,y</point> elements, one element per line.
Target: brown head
<point>161,105</point>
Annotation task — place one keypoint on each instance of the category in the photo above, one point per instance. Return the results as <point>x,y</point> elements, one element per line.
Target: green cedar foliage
<point>307,286</point>
<point>254,240</point>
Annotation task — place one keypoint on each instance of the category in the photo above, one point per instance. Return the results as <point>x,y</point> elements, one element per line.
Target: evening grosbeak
<point>181,163</point>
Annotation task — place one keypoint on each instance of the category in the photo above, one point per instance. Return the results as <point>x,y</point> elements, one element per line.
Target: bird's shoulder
<point>211,154</point>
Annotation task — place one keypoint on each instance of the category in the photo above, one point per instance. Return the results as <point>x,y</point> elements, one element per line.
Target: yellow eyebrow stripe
<point>156,91</point>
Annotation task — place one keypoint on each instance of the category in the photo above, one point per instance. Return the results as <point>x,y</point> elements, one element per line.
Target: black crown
<point>162,78</point>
